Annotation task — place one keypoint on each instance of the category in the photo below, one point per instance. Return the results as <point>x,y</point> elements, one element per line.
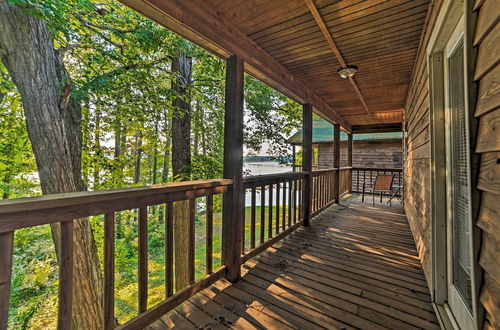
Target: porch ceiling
<point>283,45</point>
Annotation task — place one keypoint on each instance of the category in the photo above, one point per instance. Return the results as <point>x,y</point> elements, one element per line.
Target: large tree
<point>181,161</point>
<point>53,124</point>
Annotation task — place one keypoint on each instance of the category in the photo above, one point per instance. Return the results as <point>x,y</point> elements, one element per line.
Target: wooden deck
<point>355,267</point>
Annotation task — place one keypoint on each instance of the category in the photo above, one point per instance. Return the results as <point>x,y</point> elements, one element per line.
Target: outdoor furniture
<point>396,193</point>
<point>382,184</point>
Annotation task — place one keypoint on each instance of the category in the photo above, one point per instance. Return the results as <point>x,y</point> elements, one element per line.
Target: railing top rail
<point>34,211</point>
<point>378,169</point>
<point>275,176</point>
<point>325,170</point>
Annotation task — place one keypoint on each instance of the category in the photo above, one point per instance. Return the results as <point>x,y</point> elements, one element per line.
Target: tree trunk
<point>181,163</point>
<point>123,149</point>
<point>6,181</point>
<point>118,146</point>
<point>53,123</point>
<point>166,153</point>
<point>196,130</point>
<point>97,149</point>
<point>138,157</point>
<point>154,178</point>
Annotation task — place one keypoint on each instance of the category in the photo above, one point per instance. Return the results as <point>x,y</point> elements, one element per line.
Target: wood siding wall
<point>487,74</point>
<point>384,154</point>
<point>417,159</point>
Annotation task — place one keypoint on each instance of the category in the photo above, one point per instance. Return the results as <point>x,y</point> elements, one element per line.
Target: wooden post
<point>293,158</point>
<point>65,309</point>
<point>143,259</point>
<point>233,168</point>
<point>6,250</point>
<point>109,271</point>
<point>307,155</point>
<point>336,162</point>
<point>349,159</point>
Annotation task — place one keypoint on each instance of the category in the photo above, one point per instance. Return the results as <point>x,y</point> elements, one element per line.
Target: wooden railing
<point>368,175</point>
<point>322,193</point>
<point>345,184</point>
<point>65,208</point>
<point>298,168</point>
<point>323,184</point>
<point>275,206</point>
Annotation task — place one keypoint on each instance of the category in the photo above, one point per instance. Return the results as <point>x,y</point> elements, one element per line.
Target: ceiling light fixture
<point>348,72</point>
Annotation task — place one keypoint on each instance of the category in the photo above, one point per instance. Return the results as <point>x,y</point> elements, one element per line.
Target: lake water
<point>260,168</point>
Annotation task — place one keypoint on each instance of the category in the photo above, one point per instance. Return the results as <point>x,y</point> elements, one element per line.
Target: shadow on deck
<point>355,267</point>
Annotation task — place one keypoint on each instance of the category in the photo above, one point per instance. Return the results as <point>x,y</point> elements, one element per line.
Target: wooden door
<point>458,183</point>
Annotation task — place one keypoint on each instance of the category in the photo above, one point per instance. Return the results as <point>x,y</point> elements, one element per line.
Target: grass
<point>126,292</point>
<point>34,299</point>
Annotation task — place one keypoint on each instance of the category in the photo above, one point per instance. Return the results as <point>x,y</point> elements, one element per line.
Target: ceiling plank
<point>196,21</point>
<point>377,128</point>
<point>329,39</point>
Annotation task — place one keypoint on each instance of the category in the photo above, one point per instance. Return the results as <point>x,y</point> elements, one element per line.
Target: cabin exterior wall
<point>383,154</point>
<point>487,75</point>
<point>417,158</point>
<point>418,151</point>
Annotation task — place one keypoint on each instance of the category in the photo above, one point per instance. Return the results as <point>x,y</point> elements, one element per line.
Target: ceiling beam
<point>377,128</point>
<point>199,23</point>
<point>333,46</point>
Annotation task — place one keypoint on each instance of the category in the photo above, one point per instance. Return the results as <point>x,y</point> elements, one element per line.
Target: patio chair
<point>382,184</point>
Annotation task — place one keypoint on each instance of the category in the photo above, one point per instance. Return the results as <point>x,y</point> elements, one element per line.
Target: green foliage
<point>119,67</point>
<point>34,279</point>
<point>17,163</point>
<point>270,117</point>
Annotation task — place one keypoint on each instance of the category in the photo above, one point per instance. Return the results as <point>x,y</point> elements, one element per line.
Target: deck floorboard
<point>356,267</point>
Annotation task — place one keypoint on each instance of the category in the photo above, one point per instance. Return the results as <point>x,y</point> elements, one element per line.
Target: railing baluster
<point>325,190</point>
<point>295,201</point>
<point>109,270</point>
<point>364,176</point>
<point>283,220</point>
<point>65,276</point>
<point>270,212</point>
<point>317,193</point>
<point>313,194</point>
<point>357,180</point>
<point>330,188</point>
<point>301,207</point>
<point>262,213</point>
<point>325,187</point>
<point>278,208</point>
<point>192,214</point>
<point>169,249</point>
<point>243,222</point>
<point>252,226</point>
<point>290,188</point>
<point>143,259</point>
<point>320,191</point>
<point>6,249</point>
<point>371,180</point>
<point>209,232</point>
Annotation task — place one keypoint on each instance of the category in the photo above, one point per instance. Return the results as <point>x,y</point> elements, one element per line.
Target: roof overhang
<point>297,46</point>
<point>197,22</point>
